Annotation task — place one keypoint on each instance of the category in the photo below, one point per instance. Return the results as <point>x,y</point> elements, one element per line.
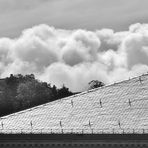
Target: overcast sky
<point>63,41</point>
<point>16,15</point>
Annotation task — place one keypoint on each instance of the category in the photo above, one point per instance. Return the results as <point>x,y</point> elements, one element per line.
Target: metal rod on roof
<point>133,131</point>
<point>100,103</point>
<point>92,131</point>
<point>82,131</point>
<point>113,130</point>
<point>2,124</point>
<point>143,131</point>
<point>129,101</point>
<point>90,124</point>
<point>71,130</point>
<point>72,103</point>
<point>31,124</point>
<point>62,131</point>
<point>140,79</point>
<point>119,123</point>
<point>61,124</point>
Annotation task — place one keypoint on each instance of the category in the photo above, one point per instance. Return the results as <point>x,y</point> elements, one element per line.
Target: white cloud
<point>75,57</point>
<point>75,77</point>
<point>81,46</point>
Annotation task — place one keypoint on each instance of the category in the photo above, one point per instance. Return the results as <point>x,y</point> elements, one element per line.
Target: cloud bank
<point>75,57</point>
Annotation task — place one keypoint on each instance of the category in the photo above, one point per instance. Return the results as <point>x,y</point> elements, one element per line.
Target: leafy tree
<point>64,92</point>
<point>54,93</point>
<point>19,92</point>
<point>95,84</point>
<point>33,93</point>
<point>25,94</point>
<point>5,103</point>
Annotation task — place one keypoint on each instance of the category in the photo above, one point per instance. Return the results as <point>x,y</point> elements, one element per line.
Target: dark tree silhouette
<point>19,92</point>
<point>64,92</point>
<point>95,84</point>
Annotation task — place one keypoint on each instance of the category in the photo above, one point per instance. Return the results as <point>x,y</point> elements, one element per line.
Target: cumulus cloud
<point>75,57</point>
<point>75,77</point>
<point>82,46</point>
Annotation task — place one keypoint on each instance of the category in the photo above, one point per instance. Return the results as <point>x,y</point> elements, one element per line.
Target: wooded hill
<point>19,92</point>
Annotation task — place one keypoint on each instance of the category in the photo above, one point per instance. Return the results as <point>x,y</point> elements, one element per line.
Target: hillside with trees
<point>19,92</point>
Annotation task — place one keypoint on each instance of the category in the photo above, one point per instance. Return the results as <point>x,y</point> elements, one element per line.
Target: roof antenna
<point>100,103</point>
<point>129,101</point>
<point>72,103</point>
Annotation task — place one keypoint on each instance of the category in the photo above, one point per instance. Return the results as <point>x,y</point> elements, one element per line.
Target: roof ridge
<point>66,98</point>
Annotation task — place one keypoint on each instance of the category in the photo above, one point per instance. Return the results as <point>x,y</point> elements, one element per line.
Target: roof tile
<point>117,108</point>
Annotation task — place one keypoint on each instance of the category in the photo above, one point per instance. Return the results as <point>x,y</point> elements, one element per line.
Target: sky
<point>17,15</point>
<point>74,42</point>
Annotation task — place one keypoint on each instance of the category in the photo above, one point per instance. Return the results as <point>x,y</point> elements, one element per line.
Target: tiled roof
<point>116,108</point>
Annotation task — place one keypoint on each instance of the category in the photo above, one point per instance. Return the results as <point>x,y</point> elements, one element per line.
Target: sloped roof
<point>116,108</point>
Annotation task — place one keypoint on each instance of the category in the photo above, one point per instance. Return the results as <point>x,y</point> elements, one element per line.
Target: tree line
<point>19,92</point>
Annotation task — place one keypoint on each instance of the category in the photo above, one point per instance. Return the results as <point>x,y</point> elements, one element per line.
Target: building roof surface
<point>117,108</point>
